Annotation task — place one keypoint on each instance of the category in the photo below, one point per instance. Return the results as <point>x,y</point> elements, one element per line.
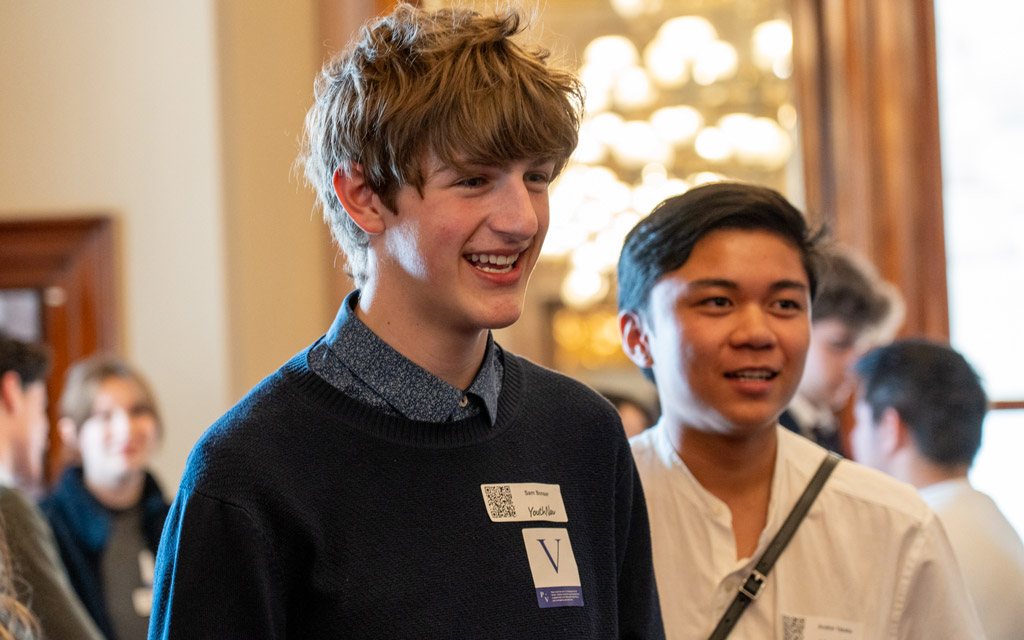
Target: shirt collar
<point>808,415</point>
<point>409,389</point>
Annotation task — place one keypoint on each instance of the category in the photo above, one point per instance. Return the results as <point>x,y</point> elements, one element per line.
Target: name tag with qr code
<point>813,628</point>
<point>524,502</point>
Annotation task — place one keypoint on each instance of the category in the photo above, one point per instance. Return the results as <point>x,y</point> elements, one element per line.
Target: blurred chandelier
<point>673,105</point>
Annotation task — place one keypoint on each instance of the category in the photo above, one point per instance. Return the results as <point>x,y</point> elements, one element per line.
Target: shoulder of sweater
<point>548,381</point>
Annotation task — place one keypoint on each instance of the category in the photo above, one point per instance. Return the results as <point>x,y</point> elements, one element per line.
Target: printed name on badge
<point>810,628</point>
<point>524,502</point>
<point>556,578</point>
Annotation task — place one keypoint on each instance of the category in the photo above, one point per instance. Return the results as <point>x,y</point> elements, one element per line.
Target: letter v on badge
<point>556,578</point>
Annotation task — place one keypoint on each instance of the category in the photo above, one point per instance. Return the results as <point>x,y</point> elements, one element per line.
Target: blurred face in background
<point>828,380</point>
<point>119,438</point>
<point>29,437</point>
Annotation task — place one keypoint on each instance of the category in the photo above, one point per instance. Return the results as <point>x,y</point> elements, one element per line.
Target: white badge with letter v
<point>556,577</point>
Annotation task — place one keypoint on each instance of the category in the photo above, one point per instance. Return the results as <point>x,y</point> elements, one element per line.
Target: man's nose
<point>518,211</point>
<point>753,328</point>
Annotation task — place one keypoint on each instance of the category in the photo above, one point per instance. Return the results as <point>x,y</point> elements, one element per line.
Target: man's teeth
<point>493,263</point>
<point>753,375</point>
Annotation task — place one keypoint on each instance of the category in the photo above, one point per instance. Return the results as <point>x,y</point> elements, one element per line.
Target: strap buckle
<point>752,585</point>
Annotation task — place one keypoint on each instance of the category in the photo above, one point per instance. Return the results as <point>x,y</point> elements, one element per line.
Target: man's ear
<point>68,432</point>
<point>12,396</point>
<point>362,204</point>
<point>893,435</point>
<point>635,339</point>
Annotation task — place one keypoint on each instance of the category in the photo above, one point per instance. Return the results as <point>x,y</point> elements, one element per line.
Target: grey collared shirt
<point>356,361</point>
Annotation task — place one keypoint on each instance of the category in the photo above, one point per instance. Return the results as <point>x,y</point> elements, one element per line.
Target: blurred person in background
<point>108,513</point>
<point>16,620</point>
<point>636,416</point>
<point>919,415</point>
<point>36,572</point>
<point>852,311</point>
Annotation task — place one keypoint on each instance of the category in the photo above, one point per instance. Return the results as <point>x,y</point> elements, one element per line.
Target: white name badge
<point>556,578</point>
<point>146,566</point>
<point>142,600</point>
<point>524,502</point>
<point>809,628</point>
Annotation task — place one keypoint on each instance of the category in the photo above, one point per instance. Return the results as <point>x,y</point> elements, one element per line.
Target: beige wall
<point>277,250</point>
<point>181,121</point>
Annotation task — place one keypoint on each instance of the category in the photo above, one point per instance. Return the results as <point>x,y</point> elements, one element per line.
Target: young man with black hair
<point>39,576</point>
<point>404,476</point>
<point>715,290</point>
<point>919,414</point>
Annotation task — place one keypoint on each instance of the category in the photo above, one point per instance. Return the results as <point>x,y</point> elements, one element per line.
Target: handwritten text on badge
<point>524,502</point>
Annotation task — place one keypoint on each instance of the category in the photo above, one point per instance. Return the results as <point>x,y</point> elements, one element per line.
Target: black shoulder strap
<point>752,586</point>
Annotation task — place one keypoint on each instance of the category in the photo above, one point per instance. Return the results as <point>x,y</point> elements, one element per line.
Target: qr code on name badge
<point>793,628</point>
<point>499,501</point>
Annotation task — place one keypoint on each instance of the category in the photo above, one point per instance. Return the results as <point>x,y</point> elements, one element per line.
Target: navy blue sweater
<point>306,514</point>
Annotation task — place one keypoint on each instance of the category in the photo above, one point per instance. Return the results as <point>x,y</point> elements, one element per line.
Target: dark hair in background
<point>934,390</point>
<point>31,361</point>
<point>849,292</point>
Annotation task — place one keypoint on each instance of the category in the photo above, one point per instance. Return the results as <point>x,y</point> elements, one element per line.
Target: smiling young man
<point>715,290</point>
<point>404,476</point>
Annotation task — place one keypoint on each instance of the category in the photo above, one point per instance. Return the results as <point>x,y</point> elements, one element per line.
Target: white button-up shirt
<point>989,551</point>
<point>869,562</point>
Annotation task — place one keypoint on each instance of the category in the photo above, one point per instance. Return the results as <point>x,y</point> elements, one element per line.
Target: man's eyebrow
<point>707,283</point>
<point>789,284</point>
<point>781,285</point>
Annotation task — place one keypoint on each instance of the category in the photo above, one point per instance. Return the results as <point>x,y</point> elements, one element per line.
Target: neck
<point>13,475</point>
<point>6,463</point>
<point>922,472</point>
<point>737,470</point>
<point>122,492</point>
<point>452,355</point>
<point>725,465</point>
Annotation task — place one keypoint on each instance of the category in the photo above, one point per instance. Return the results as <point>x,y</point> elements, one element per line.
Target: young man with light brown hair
<point>405,476</point>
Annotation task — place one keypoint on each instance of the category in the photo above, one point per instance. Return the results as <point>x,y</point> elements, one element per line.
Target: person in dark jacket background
<point>108,513</point>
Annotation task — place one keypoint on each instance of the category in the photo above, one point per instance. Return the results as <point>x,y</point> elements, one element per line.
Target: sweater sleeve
<point>215,575</point>
<point>639,608</point>
<point>41,580</point>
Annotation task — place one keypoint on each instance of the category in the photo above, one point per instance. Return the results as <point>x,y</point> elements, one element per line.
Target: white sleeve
<point>931,596</point>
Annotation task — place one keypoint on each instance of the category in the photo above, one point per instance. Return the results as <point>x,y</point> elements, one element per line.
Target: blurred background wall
<point>180,122</point>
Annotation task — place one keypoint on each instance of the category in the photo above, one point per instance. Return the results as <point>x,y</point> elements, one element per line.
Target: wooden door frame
<point>70,263</point>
